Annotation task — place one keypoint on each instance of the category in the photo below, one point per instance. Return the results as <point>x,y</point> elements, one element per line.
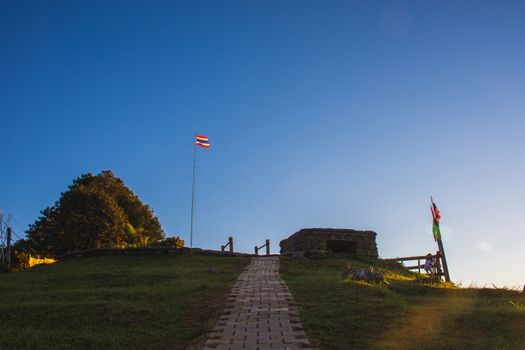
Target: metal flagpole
<point>193,189</point>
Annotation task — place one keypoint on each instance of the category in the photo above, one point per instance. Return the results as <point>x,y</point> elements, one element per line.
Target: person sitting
<point>429,264</point>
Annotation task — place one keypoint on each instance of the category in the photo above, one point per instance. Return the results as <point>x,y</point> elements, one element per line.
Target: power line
<point>7,224</point>
<point>21,247</point>
<point>240,200</point>
<point>20,227</point>
<point>19,239</point>
<point>16,222</point>
<point>11,217</point>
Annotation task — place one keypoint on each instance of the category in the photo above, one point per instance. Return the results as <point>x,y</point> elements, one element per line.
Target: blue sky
<point>320,114</point>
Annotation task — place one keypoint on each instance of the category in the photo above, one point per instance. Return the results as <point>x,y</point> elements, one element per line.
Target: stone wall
<point>146,251</point>
<point>360,243</point>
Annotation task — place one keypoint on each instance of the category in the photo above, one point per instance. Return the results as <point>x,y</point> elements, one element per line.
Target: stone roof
<point>342,231</point>
<point>359,242</point>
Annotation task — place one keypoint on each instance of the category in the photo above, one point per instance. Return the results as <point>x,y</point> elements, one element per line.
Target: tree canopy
<point>97,211</point>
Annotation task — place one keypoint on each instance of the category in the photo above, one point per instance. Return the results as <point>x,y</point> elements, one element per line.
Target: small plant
<point>366,274</point>
<point>428,280</point>
<point>517,306</point>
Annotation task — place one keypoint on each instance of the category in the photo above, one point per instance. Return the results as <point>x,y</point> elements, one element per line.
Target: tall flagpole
<point>193,189</point>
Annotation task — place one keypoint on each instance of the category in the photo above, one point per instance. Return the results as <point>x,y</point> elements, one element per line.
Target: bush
<point>174,242</point>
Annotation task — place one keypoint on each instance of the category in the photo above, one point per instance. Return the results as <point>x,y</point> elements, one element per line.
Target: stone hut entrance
<point>341,246</point>
<point>311,240</point>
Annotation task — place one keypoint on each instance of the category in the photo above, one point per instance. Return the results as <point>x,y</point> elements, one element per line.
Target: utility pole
<point>2,240</point>
<point>8,255</point>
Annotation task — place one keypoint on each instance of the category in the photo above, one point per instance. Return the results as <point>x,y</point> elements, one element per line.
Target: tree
<point>95,212</point>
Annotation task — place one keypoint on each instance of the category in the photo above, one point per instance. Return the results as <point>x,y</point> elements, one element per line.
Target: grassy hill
<point>403,314</point>
<point>115,302</point>
<point>169,301</point>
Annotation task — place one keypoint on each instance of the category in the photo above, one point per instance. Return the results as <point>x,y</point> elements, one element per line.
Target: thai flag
<point>202,141</point>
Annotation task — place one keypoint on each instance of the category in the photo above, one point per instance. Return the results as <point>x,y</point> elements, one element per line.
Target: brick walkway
<point>260,313</point>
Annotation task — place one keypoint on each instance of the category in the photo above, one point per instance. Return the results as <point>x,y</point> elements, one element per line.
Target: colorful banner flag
<point>202,141</point>
<point>436,215</point>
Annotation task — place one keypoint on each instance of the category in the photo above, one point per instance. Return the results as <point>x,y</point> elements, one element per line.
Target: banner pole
<point>443,260</point>
<point>437,237</point>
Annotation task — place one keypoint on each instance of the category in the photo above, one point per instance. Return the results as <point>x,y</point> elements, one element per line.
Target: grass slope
<point>339,314</point>
<point>115,302</point>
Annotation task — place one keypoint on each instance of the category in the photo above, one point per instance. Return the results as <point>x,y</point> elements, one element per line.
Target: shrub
<point>174,242</point>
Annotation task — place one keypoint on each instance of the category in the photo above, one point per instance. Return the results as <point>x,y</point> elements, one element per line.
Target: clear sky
<point>320,114</point>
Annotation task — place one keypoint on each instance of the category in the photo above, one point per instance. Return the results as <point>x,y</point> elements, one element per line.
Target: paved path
<point>260,313</point>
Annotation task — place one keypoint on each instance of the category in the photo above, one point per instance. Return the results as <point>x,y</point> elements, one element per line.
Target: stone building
<point>310,240</point>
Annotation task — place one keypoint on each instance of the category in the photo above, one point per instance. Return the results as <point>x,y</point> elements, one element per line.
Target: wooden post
<point>418,266</point>
<point>267,247</point>
<point>8,254</point>
<point>443,260</point>
<point>222,248</point>
<point>437,264</point>
<point>230,242</point>
<point>256,251</point>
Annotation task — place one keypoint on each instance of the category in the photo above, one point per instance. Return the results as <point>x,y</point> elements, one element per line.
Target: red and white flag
<point>202,141</point>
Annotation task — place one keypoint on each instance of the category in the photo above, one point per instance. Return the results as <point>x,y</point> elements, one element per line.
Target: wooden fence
<point>436,259</point>
<point>229,244</point>
<point>267,245</point>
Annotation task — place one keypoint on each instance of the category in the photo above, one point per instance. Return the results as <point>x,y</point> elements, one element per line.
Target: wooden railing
<point>436,266</point>
<point>229,244</point>
<point>267,245</point>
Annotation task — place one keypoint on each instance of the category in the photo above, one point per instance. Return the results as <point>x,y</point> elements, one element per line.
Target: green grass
<point>403,314</point>
<point>116,302</point>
